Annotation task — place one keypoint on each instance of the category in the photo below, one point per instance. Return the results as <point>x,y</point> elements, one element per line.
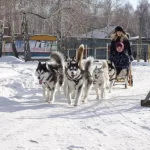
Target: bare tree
<point>143,15</point>
<point>73,17</point>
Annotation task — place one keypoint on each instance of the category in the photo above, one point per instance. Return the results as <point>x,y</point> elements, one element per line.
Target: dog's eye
<point>42,72</point>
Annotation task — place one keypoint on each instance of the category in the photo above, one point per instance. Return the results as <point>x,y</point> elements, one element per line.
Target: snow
<point>11,59</point>
<point>28,123</point>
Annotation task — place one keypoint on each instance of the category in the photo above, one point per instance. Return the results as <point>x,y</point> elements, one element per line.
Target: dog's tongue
<point>40,81</point>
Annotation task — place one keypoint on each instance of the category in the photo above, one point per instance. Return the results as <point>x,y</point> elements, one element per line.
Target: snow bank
<point>29,123</point>
<point>135,63</point>
<point>14,60</point>
<point>11,59</point>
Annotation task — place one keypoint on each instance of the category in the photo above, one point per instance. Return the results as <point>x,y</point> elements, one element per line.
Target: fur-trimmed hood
<point>122,38</point>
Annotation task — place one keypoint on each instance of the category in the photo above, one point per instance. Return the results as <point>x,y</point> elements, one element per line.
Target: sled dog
<point>114,74</point>
<point>101,79</point>
<point>51,75</point>
<point>78,77</point>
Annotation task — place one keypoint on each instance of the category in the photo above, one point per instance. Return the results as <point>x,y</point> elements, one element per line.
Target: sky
<point>135,3</point>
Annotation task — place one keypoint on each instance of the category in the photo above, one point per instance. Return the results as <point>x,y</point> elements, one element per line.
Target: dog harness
<point>112,76</point>
<point>76,80</point>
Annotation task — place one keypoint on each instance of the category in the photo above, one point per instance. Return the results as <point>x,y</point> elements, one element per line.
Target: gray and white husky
<point>101,79</point>
<point>78,77</point>
<point>51,75</point>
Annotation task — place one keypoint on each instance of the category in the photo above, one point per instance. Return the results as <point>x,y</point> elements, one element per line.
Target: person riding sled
<point>120,49</point>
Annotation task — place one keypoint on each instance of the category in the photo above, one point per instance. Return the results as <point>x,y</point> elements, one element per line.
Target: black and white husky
<point>51,75</point>
<point>115,75</point>
<point>112,74</point>
<point>78,77</point>
<point>101,79</point>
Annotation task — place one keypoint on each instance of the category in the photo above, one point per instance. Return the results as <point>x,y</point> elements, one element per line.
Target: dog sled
<point>146,101</point>
<point>126,79</point>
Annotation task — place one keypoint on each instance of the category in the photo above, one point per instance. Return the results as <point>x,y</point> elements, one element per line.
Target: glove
<point>131,58</point>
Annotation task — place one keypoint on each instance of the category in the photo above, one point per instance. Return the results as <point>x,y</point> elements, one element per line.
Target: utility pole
<point>139,47</point>
<point>140,37</point>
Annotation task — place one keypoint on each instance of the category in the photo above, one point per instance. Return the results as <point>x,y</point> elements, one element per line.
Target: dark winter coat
<point>120,59</point>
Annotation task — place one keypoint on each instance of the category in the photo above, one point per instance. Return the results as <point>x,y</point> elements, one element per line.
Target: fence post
<point>145,57</point>
<point>68,52</point>
<point>138,53</point>
<point>1,39</point>
<point>148,52</point>
<point>107,52</point>
<point>86,51</point>
<point>94,53</point>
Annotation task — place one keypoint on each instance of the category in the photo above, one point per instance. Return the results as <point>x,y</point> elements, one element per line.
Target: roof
<point>136,38</point>
<point>38,37</point>
<point>100,33</point>
<point>43,37</point>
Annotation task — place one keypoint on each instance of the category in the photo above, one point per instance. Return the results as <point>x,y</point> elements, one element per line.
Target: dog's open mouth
<point>40,81</point>
<point>72,75</point>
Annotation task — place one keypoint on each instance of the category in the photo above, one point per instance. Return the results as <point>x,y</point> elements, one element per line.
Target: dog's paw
<point>103,97</point>
<point>97,98</point>
<point>75,105</point>
<point>84,101</point>
<point>50,102</point>
<point>46,100</point>
<point>70,103</point>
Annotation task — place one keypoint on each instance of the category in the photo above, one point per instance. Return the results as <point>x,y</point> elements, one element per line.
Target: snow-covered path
<point>28,123</point>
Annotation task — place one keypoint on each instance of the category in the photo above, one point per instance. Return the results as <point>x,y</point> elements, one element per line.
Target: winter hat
<point>119,28</point>
<point>119,44</point>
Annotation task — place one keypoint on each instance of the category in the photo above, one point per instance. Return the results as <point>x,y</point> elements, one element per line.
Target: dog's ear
<point>68,63</point>
<point>47,66</point>
<point>44,64</point>
<point>108,61</point>
<point>113,64</point>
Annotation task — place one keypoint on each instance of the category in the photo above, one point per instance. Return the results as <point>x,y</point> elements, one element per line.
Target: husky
<point>101,79</point>
<point>112,74</point>
<point>78,77</point>
<point>115,74</point>
<point>51,75</point>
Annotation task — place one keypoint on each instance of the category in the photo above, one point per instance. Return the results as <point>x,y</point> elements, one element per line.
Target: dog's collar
<point>99,82</point>
<point>76,80</point>
<point>49,77</point>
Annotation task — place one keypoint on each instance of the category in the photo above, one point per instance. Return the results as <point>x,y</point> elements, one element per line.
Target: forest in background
<point>65,18</point>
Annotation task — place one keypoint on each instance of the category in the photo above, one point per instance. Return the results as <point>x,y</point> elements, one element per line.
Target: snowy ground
<point>28,123</point>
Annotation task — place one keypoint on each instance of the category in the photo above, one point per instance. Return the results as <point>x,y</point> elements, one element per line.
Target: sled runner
<point>126,79</point>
